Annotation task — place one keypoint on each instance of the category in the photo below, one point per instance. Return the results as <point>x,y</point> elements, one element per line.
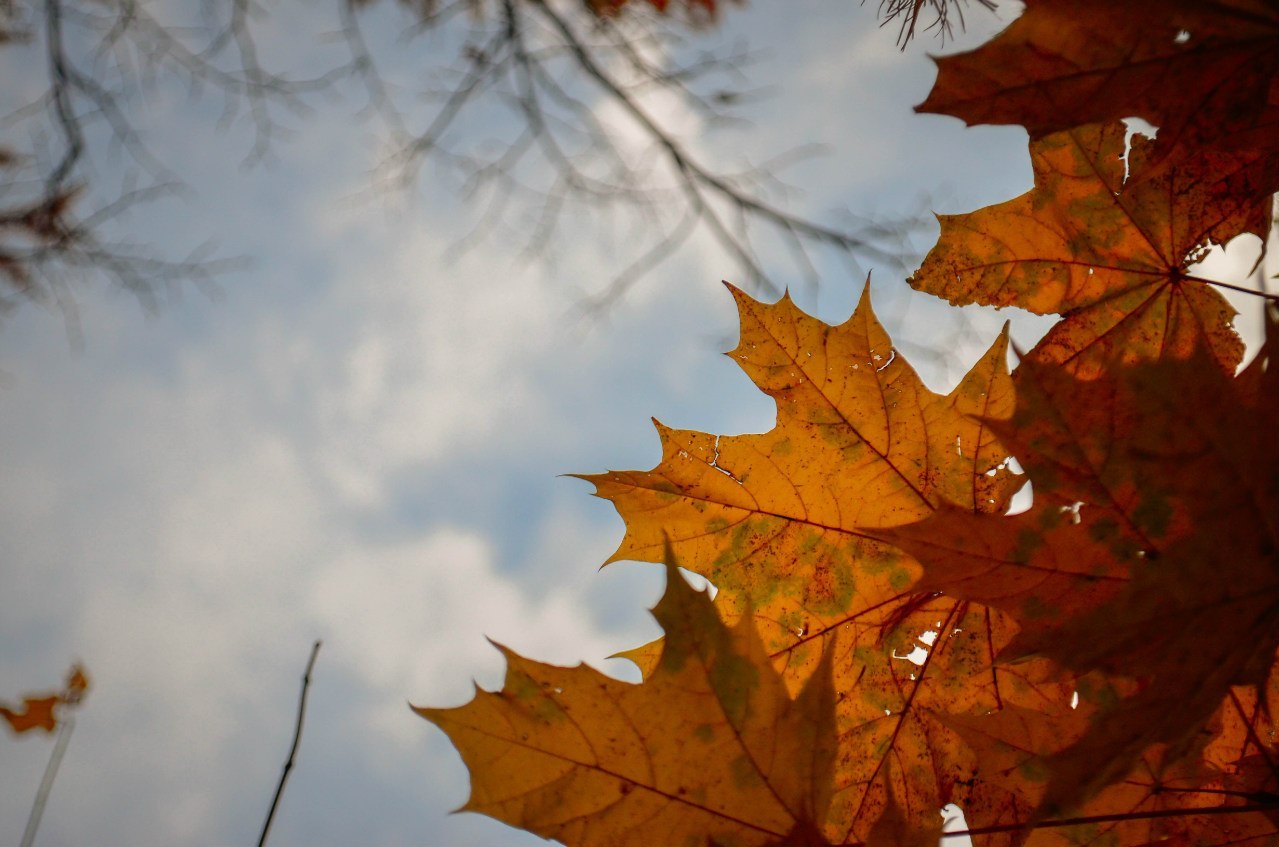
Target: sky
<point>362,439</point>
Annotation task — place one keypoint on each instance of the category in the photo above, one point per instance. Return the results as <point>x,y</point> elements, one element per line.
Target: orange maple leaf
<point>1204,73</point>
<point>783,523</point>
<point>1110,252</point>
<point>711,749</point>
<point>780,518</point>
<point>1098,670</point>
<point>1162,800</point>
<point>1174,548</point>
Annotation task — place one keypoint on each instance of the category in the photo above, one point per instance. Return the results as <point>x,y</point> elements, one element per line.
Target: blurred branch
<point>608,98</point>
<point>46,782</point>
<point>99,57</point>
<point>598,102</point>
<point>55,710</point>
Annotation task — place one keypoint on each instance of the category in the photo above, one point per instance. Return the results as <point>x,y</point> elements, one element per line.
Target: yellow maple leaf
<point>710,749</point>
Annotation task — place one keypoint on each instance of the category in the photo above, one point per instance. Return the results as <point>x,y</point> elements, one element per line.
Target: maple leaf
<point>1111,253</point>
<point>710,749</point>
<point>778,518</point>
<point>783,524</point>
<point>1162,800</point>
<point>1108,654</point>
<point>1177,511</point>
<point>1204,73</point>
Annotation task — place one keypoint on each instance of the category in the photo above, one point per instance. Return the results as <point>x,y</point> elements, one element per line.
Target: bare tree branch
<point>293,748</point>
<point>561,72</point>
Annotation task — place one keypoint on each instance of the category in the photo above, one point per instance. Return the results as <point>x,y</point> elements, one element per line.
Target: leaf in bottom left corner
<point>710,749</point>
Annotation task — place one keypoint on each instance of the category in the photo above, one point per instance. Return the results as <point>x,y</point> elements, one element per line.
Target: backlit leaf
<point>710,749</point>
<point>1176,557</point>
<point>1203,72</point>
<point>1113,257</point>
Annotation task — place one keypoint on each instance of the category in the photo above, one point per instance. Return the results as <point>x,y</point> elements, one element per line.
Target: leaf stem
<point>1126,816</point>
<point>1254,796</point>
<point>1265,295</point>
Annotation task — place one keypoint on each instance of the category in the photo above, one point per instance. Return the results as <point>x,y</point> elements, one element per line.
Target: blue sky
<point>356,441</point>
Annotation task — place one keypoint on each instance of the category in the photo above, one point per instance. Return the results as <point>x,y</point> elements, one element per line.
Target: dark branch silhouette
<point>293,749</point>
<point>945,15</point>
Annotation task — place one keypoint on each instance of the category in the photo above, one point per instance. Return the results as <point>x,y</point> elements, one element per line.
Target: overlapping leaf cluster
<point>887,640</point>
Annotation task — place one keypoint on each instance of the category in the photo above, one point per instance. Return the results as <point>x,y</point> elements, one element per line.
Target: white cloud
<point>413,619</point>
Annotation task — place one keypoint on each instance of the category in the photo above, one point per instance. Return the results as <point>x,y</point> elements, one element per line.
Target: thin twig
<point>297,737</point>
<point>46,783</point>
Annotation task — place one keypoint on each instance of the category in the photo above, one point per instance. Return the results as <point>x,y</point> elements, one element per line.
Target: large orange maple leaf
<point>779,519</point>
<point>784,523</point>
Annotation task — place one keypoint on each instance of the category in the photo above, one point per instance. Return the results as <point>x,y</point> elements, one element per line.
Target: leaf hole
<point>952,820</point>
<point>918,655</point>
<point>1073,511</point>
<point>1134,126</point>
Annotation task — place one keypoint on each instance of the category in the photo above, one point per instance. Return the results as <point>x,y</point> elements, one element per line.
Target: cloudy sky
<point>355,440</point>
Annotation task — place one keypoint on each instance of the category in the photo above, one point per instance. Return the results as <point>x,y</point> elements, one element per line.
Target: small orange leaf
<point>36,713</point>
<point>40,711</point>
<point>77,684</point>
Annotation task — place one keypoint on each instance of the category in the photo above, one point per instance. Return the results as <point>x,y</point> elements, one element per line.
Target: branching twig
<point>908,11</point>
<point>297,737</point>
<point>57,226</point>
<point>561,73</point>
<point>588,93</point>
